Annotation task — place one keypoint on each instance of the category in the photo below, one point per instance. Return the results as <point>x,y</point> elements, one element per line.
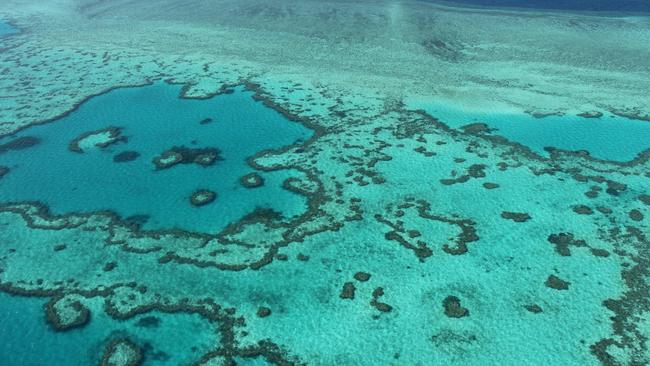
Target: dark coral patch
<point>126,156</point>
<point>148,322</point>
<point>414,234</point>
<point>583,210</point>
<point>122,352</point>
<point>421,249</point>
<point>263,312</point>
<point>473,171</point>
<point>556,283</point>
<point>20,143</point>
<point>599,252</point>
<point>137,221</point>
<point>252,180</point>
<point>645,198</point>
<point>114,136</point>
<point>450,181</point>
<point>381,306</point>
<point>59,247</point>
<point>515,216</point>
<point>110,266</point>
<point>78,316</point>
<point>362,276</point>
<point>3,171</point>
<point>593,192</point>
<point>206,159</point>
<point>563,241</point>
<point>534,308</point>
<point>476,128</point>
<point>202,197</point>
<point>167,160</point>
<point>348,291</point>
<point>543,114</point>
<point>615,188</point>
<point>184,155</point>
<point>591,114</point>
<point>636,215</point>
<point>453,307</point>
<point>490,185</point>
<point>477,170</point>
<point>604,210</point>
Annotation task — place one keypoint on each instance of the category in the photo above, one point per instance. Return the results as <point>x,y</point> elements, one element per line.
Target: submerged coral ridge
<point>326,223</point>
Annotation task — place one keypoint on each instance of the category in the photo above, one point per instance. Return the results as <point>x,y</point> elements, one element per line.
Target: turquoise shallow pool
<point>152,120</point>
<point>608,137</point>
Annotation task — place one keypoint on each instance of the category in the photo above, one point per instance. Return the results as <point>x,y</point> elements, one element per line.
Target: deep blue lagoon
<point>121,177</point>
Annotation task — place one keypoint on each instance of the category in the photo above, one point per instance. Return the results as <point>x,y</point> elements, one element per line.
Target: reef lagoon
<point>324,183</point>
<point>602,135</point>
<point>108,142</point>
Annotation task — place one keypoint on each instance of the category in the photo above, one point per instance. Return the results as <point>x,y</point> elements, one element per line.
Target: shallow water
<point>402,241</point>
<point>31,341</point>
<point>6,29</point>
<point>155,119</point>
<point>608,137</point>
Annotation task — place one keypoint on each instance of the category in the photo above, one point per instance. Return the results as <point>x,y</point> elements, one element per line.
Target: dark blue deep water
<point>572,5</point>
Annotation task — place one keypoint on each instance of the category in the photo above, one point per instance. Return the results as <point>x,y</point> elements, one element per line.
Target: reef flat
<point>381,212</point>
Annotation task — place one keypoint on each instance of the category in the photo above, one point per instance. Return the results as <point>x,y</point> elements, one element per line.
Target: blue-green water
<point>420,246</point>
<point>155,119</point>
<point>30,341</point>
<point>6,29</point>
<point>609,137</point>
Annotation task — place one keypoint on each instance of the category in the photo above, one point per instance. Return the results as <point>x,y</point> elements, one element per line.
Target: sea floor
<point>322,183</point>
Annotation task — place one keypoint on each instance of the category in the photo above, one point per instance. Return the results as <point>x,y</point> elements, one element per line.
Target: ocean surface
<point>608,137</point>
<point>30,341</point>
<point>274,182</point>
<point>234,124</point>
<point>572,5</point>
<point>6,29</point>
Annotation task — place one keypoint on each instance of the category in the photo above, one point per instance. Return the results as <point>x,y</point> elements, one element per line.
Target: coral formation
<point>202,197</point>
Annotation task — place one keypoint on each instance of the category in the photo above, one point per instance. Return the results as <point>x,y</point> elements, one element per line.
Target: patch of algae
<point>372,168</point>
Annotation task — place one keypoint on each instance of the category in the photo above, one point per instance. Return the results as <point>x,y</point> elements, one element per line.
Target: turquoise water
<point>155,119</point>
<point>411,244</point>
<point>6,28</point>
<point>30,341</point>
<point>609,137</point>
